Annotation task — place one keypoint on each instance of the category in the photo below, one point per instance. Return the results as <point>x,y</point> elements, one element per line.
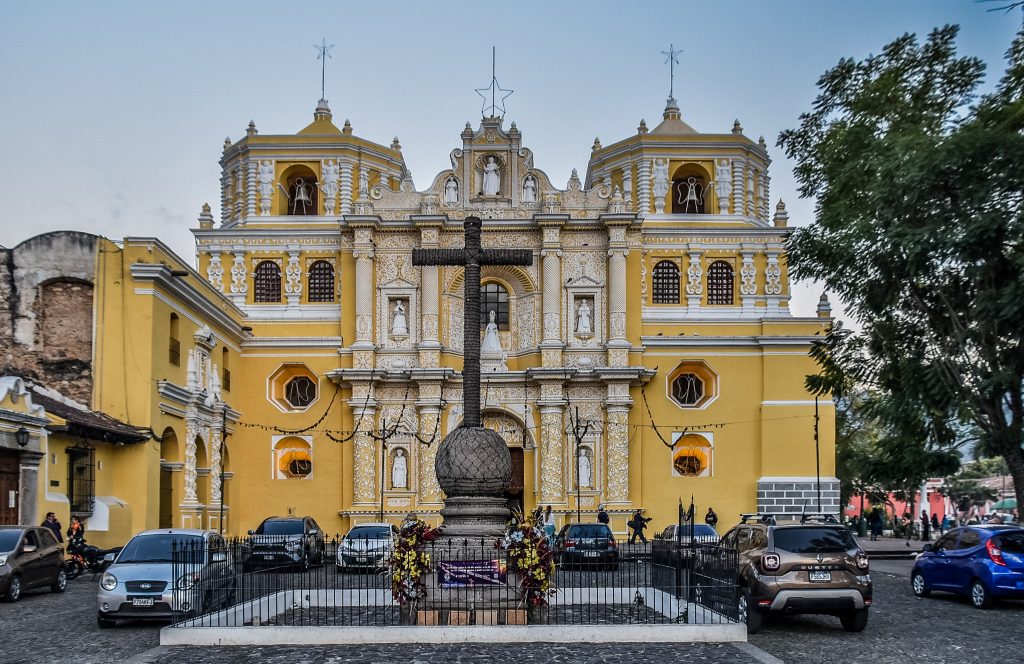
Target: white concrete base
<point>265,636</point>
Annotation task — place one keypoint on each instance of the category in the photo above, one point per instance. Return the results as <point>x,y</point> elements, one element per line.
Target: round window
<point>299,392</point>
<point>688,389</point>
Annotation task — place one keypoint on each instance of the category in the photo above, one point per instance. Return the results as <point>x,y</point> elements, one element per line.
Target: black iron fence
<point>309,581</point>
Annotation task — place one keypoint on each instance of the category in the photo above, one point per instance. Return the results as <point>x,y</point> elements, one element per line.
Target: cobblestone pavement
<point>938,630</point>
<point>48,627</point>
<point>942,629</point>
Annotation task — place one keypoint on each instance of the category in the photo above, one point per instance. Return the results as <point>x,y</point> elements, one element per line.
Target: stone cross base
<point>473,518</point>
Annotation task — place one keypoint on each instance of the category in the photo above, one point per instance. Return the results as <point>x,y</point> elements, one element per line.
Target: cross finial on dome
<point>671,59</point>
<point>323,51</point>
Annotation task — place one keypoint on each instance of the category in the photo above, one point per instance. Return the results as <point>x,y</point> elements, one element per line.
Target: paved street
<point>55,628</point>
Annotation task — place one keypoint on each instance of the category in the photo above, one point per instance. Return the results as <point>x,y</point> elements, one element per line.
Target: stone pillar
<point>694,281</point>
<point>191,432</point>
<point>429,345</point>
<point>643,197</point>
<point>346,186</point>
<point>737,186</point>
<point>364,288</point>
<point>364,451</point>
<point>773,282</point>
<point>293,278</point>
<point>215,271</point>
<point>552,482</point>
<point>429,489</point>
<point>551,295</point>
<point>225,195</point>
<point>28,481</point>
<point>618,450</point>
<point>250,190</point>
<point>239,276</point>
<point>627,186</point>
<point>216,439</point>
<point>618,346</point>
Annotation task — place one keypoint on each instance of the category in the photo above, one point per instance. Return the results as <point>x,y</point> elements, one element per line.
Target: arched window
<point>720,278</point>
<point>267,282</point>
<point>494,297</point>
<point>691,456</point>
<point>321,282</point>
<point>293,459</point>
<point>665,278</point>
<point>173,345</point>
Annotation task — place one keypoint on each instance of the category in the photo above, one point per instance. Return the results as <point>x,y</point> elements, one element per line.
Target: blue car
<point>984,563</point>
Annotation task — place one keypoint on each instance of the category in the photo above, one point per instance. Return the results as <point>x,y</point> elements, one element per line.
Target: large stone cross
<point>472,257</point>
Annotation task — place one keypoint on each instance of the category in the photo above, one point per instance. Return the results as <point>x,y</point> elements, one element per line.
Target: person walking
<point>935,522</point>
<point>53,525</point>
<point>711,518</point>
<point>602,515</point>
<point>549,524</point>
<point>876,524</point>
<point>76,534</point>
<point>944,526</point>
<point>638,523</point>
<point>925,525</point>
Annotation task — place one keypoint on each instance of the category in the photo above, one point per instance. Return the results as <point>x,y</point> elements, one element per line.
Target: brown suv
<point>813,565</point>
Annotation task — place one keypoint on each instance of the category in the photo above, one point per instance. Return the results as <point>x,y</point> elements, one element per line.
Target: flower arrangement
<point>530,554</point>
<point>409,563</point>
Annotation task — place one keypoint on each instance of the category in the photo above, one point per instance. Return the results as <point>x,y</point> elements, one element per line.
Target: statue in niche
<point>583,324</point>
<point>399,325</point>
<point>491,181</point>
<point>491,342</point>
<point>529,189</point>
<point>451,191</point>
<point>364,184</point>
<point>400,470</point>
<point>586,469</point>
<point>266,186</point>
<point>723,184</point>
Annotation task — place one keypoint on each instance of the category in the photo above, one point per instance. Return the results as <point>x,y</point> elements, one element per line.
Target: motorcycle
<point>87,558</point>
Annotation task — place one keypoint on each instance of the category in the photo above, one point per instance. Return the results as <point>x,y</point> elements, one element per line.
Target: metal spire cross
<point>494,88</point>
<point>323,52</point>
<point>672,58</point>
<point>471,258</point>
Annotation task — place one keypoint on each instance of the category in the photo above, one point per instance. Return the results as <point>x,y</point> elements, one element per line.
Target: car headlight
<point>293,546</point>
<point>186,581</point>
<point>108,581</point>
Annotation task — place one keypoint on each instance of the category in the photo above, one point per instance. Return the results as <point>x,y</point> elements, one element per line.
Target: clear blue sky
<point>113,114</point>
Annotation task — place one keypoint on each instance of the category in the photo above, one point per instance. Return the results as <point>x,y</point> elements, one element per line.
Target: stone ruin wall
<point>46,315</point>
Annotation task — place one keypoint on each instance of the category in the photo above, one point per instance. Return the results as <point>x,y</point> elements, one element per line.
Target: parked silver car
<point>366,546</point>
<point>141,583</point>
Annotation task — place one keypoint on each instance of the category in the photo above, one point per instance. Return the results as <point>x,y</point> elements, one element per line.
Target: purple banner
<point>464,573</point>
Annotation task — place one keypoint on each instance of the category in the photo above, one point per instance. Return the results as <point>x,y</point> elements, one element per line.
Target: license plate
<point>267,556</point>
<point>142,601</point>
<point>591,554</point>
<point>361,559</point>
<point>821,576</point>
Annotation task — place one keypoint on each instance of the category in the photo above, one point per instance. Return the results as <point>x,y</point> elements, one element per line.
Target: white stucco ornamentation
<point>773,275</point>
<point>723,184</point>
<point>191,431</point>
<point>694,275</point>
<point>329,185</point>
<point>748,274</point>
<point>552,483</point>
<point>364,460</point>
<point>239,284</point>
<point>618,454</point>
<point>293,278</point>
<point>660,184</point>
<point>266,185</point>
<point>215,271</point>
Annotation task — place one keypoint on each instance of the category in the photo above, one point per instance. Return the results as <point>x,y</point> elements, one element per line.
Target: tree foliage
<point>919,185</point>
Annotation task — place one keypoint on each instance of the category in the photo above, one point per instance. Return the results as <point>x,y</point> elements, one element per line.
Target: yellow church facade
<point>305,366</point>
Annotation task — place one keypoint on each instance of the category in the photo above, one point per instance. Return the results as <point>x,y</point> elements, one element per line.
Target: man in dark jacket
<point>602,516</point>
<point>53,524</point>
<point>711,518</point>
<point>638,523</point>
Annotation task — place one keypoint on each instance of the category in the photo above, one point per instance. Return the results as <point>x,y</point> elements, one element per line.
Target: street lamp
<point>21,436</point>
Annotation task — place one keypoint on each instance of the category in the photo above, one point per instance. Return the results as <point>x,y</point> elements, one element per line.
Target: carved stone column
<point>215,438</point>
<point>429,346</point>
<point>250,190</point>
<point>345,193</point>
<point>773,282</point>
<point>364,449</point>
<point>191,432</point>
<point>551,295</point>
<point>239,276</point>
<point>618,249</point>
<point>429,489</point>
<point>618,452</point>
<point>215,271</point>
<point>552,481</point>
<point>225,195</point>
<point>364,288</point>
<point>627,186</point>
<point>738,166</point>
<point>643,197</point>
<point>694,282</point>
<point>293,278</point>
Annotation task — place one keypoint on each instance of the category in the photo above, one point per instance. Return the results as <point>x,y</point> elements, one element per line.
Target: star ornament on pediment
<point>493,93</point>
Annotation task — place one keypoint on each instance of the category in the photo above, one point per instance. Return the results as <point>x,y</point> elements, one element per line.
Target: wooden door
<point>166,498</point>
<point>9,488</point>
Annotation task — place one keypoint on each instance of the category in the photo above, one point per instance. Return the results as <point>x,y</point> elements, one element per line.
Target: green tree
<point>920,191</point>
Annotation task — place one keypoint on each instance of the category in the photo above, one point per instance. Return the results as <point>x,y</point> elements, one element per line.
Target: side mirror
<point>109,558</point>
<point>29,548</point>
<point>927,547</point>
<point>314,531</point>
<point>252,532</point>
<point>218,557</point>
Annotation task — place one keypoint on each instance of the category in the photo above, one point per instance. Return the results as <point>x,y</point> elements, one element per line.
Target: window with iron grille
<point>267,282</point>
<point>299,392</point>
<point>321,282</point>
<point>494,297</point>
<point>665,280</point>
<point>81,479</point>
<point>720,282</point>
<point>688,389</point>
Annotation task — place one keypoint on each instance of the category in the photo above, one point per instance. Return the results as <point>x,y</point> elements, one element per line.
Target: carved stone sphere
<point>473,462</point>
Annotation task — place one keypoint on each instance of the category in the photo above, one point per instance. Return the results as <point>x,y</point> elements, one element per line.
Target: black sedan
<point>586,544</point>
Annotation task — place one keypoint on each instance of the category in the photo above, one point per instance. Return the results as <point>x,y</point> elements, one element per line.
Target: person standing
<point>602,516</point>
<point>711,518</point>
<point>935,522</point>
<point>53,524</point>
<point>638,523</point>
<point>76,534</point>
<point>925,526</point>
<point>876,524</point>
<point>549,524</point>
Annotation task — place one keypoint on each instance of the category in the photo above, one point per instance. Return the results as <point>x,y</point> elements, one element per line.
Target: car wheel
<point>981,598</point>
<point>105,623</point>
<point>921,588</point>
<point>73,569</point>
<point>855,621</point>
<point>748,614</point>
<point>14,589</point>
<point>61,582</point>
